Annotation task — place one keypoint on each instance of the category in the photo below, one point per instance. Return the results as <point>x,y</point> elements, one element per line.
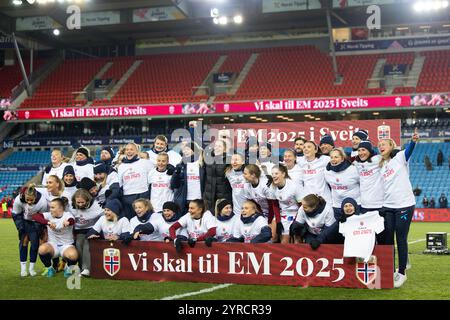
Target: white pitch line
<point>189,294</point>
<point>420,240</point>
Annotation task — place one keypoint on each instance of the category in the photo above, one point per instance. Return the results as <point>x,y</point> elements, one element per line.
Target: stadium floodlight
<point>17,2</point>
<point>214,12</point>
<point>425,6</point>
<point>238,19</point>
<point>56,32</point>
<point>223,20</point>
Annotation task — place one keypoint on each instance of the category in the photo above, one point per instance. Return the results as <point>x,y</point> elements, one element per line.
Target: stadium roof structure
<point>196,20</point>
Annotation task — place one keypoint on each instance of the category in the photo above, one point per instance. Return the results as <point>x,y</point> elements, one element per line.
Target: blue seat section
<point>435,182</point>
<point>10,181</point>
<point>27,157</point>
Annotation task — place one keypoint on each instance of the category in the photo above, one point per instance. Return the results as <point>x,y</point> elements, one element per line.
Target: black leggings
<point>398,221</point>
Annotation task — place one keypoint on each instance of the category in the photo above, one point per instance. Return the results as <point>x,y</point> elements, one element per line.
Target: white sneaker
<point>85,273</point>
<point>399,279</point>
<point>23,273</point>
<point>32,272</point>
<point>408,265</point>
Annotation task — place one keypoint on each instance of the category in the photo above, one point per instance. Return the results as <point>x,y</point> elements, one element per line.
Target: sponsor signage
<point>19,168</point>
<point>223,77</point>
<point>157,14</point>
<point>431,215</point>
<point>356,3</point>
<point>102,83</point>
<point>266,264</point>
<point>75,141</point>
<point>36,23</point>
<point>100,18</point>
<point>395,69</point>
<point>393,44</point>
<point>269,6</point>
<point>428,133</point>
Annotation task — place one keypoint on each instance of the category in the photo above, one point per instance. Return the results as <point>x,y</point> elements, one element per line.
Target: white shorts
<point>287,219</point>
<point>59,249</point>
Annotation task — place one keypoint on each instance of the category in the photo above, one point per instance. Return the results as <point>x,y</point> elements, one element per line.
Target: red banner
<point>256,107</point>
<point>341,131</point>
<point>266,264</point>
<point>431,215</point>
<point>314,104</point>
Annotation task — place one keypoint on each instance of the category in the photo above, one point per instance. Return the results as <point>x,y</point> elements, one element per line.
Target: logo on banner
<point>366,272</point>
<point>384,132</point>
<point>111,261</point>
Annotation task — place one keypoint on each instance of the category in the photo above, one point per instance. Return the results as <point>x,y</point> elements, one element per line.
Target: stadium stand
<point>27,157</point>
<point>435,76</point>
<point>10,181</point>
<point>11,75</point>
<point>61,87</point>
<point>166,78</point>
<point>434,182</point>
<point>288,72</point>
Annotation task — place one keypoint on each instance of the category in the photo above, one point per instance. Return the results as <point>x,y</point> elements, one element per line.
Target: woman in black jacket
<point>188,180</point>
<point>217,185</point>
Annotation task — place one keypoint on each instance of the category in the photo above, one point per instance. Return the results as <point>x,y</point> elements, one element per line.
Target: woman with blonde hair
<point>133,178</point>
<point>112,226</point>
<point>86,212</point>
<point>58,163</point>
<point>59,224</point>
<point>251,227</point>
<point>107,183</point>
<point>343,178</point>
<point>399,201</point>
<point>27,203</point>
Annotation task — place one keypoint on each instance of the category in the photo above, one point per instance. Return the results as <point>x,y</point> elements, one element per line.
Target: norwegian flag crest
<point>111,261</point>
<point>366,272</point>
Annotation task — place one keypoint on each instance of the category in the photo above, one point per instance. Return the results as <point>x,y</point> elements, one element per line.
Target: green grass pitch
<point>429,278</point>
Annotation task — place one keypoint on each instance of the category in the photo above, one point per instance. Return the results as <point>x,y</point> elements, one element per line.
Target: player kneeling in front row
<point>60,237</point>
<point>200,224</point>
<point>314,222</point>
<point>113,225</point>
<point>226,220</point>
<point>149,226</point>
<point>252,227</point>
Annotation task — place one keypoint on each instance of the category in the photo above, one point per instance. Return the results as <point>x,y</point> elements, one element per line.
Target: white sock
<point>32,266</point>
<point>23,266</point>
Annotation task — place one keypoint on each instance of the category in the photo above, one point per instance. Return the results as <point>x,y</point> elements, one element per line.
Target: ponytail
<point>63,202</point>
<point>200,203</point>
<point>29,191</point>
<point>314,201</point>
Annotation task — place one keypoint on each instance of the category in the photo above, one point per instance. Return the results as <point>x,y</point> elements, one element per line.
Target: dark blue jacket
<point>178,183</point>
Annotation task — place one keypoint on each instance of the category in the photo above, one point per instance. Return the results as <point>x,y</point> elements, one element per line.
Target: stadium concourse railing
<point>37,76</point>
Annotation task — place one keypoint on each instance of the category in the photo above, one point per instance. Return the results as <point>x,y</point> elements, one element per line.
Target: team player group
<point>314,195</point>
